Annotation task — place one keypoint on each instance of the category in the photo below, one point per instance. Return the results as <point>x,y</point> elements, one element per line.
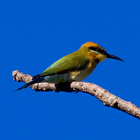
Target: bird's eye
<point>97,50</point>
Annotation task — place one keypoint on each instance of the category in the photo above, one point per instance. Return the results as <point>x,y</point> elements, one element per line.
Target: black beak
<point>113,57</point>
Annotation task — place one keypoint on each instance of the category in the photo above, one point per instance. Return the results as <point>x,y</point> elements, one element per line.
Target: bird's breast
<point>82,74</point>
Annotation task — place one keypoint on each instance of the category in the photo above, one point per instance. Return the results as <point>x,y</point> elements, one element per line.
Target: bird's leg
<point>64,87</point>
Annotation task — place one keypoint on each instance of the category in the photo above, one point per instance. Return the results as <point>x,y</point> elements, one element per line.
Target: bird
<point>73,67</point>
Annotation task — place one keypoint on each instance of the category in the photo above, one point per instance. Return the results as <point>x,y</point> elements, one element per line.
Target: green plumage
<point>71,62</point>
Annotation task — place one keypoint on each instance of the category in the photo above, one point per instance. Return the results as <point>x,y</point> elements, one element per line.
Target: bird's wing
<point>66,64</point>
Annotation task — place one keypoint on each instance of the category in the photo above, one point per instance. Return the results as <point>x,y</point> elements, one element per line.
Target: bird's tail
<point>36,79</point>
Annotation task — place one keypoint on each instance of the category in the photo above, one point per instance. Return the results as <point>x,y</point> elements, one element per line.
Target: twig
<point>103,95</point>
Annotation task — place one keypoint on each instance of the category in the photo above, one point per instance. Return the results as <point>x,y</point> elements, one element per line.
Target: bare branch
<point>103,95</point>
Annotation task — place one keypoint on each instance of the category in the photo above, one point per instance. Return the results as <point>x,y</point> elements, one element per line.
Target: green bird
<point>73,67</point>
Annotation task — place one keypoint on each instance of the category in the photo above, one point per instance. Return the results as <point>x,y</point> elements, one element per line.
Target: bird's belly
<point>81,75</point>
<point>58,78</point>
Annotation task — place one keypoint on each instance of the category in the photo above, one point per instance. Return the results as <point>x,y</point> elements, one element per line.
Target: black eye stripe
<point>98,50</point>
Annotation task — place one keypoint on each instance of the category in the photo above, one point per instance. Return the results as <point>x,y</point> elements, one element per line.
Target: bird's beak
<point>113,57</point>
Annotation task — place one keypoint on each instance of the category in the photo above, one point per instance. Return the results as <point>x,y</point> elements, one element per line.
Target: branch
<point>103,95</point>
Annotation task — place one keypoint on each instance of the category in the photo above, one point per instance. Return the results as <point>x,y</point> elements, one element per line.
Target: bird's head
<point>97,52</point>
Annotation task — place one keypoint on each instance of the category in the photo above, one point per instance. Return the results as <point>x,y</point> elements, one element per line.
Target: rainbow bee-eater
<point>73,67</point>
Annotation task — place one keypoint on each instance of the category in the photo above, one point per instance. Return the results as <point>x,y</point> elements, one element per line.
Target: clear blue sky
<point>36,33</point>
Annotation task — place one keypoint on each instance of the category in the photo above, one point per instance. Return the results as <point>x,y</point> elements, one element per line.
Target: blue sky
<point>34,34</point>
